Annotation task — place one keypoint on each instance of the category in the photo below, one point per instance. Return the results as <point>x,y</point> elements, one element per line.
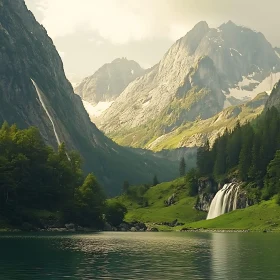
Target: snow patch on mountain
<point>265,86</point>
<point>97,110</point>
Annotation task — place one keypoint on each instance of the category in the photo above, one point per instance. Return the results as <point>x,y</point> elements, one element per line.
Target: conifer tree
<point>155,181</point>
<point>182,168</point>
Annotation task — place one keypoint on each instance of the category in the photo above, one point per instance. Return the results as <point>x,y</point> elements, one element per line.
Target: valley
<point>211,103</point>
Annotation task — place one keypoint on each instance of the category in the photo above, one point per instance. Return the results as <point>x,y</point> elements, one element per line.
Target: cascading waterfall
<point>224,201</point>
<point>46,110</point>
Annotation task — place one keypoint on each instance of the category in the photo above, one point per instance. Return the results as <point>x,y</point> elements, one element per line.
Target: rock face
<point>195,134</point>
<point>206,193</point>
<point>208,189</point>
<point>34,91</point>
<point>274,99</point>
<point>205,71</point>
<point>109,81</point>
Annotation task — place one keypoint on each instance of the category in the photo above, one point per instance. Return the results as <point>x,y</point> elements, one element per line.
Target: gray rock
<point>171,200</point>
<point>108,82</point>
<point>70,226</point>
<point>193,80</point>
<point>152,229</point>
<point>108,227</point>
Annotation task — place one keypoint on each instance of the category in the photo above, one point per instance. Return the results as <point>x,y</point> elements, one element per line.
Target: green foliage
<point>204,159</point>
<point>262,216</point>
<point>272,180</point>
<point>136,194</point>
<point>90,202</point>
<point>34,176</point>
<point>115,212</point>
<point>192,181</point>
<point>182,168</point>
<point>155,181</point>
<point>250,149</point>
<point>156,210</point>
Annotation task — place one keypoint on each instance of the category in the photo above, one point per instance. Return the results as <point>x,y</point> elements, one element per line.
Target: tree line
<point>250,152</point>
<point>34,176</point>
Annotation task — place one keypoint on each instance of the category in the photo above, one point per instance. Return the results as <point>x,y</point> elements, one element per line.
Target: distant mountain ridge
<point>204,72</point>
<point>108,82</point>
<point>35,92</point>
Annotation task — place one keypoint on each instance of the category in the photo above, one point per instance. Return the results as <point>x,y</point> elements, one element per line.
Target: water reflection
<point>225,255</point>
<point>140,256</point>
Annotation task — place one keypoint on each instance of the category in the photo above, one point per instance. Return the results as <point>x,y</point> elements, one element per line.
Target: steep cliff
<point>274,98</point>
<point>34,91</point>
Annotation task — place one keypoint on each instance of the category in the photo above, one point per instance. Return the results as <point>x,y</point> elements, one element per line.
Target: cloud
<point>123,21</point>
<point>118,21</point>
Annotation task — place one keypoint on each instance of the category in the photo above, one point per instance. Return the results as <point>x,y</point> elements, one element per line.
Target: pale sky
<point>90,33</point>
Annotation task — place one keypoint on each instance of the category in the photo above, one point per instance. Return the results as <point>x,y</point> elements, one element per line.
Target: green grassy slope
<point>156,211</point>
<point>265,215</point>
<point>262,216</point>
<point>153,136</point>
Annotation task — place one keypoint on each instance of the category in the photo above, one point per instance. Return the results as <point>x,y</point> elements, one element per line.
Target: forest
<point>34,177</point>
<point>250,153</point>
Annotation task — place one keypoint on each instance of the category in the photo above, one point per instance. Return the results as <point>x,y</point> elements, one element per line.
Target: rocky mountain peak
<point>205,71</point>
<point>106,84</point>
<point>201,27</point>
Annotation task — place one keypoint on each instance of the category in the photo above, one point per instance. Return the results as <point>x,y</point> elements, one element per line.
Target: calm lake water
<point>140,256</point>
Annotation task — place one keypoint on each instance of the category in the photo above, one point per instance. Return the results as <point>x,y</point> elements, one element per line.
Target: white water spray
<point>46,110</point>
<point>224,201</point>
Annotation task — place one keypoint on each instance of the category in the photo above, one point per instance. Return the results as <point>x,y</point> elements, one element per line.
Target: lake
<point>140,256</point>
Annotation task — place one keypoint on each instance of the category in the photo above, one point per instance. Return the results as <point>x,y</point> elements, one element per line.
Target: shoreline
<point>85,231</point>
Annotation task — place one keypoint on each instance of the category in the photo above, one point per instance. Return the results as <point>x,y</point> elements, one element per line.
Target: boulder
<point>70,227</point>
<point>108,227</point>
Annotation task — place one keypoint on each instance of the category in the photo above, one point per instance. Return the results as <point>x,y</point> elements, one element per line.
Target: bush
<point>115,212</point>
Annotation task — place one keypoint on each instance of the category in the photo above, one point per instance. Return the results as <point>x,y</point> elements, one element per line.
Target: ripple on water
<point>140,256</point>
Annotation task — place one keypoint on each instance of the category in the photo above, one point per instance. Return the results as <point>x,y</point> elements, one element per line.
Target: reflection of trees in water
<point>141,256</point>
<point>245,256</point>
<point>34,257</point>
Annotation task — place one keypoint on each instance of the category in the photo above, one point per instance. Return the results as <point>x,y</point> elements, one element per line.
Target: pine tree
<point>221,156</point>
<point>182,168</point>
<point>155,181</point>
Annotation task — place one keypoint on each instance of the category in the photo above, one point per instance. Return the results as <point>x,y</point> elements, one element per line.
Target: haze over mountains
<point>35,92</point>
<point>203,73</point>
<point>200,76</point>
<point>107,83</point>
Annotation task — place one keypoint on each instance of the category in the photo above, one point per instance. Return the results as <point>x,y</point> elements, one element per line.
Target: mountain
<point>106,84</point>
<point>196,133</point>
<point>204,72</point>
<point>274,98</point>
<point>35,92</point>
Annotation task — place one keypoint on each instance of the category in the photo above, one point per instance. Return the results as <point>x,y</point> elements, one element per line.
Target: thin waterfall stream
<point>46,110</point>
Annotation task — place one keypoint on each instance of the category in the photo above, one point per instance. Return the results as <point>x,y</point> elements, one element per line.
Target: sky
<point>90,33</point>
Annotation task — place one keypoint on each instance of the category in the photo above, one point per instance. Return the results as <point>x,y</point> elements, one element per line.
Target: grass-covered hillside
<point>147,204</point>
<point>263,216</point>
<point>158,135</point>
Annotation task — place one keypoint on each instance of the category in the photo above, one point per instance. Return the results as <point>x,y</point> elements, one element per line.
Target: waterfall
<point>224,201</point>
<point>46,110</point>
